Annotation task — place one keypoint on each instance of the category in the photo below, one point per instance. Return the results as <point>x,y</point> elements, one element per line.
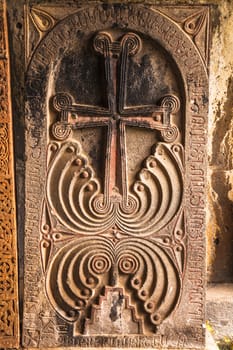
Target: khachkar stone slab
<point>116,116</point>
<point>9,323</point>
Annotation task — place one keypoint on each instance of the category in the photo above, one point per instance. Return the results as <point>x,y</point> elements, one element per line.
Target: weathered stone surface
<point>219,232</point>
<point>9,317</point>
<point>219,309</point>
<point>115,177</point>
<point>219,223</point>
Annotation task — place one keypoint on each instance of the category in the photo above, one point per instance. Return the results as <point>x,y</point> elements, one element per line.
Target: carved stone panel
<point>116,113</point>
<point>9,318</point>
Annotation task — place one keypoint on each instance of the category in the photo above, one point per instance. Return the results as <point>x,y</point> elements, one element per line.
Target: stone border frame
<point>195,80</point>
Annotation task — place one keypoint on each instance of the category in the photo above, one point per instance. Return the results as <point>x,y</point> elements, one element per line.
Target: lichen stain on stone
<point>115,312</point>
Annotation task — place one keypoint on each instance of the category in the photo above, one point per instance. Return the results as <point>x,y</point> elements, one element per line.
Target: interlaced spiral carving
<point>4,148</point>
<point>9,314</point>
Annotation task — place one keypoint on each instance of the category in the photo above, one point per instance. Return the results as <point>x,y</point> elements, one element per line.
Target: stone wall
<point>219,223</point>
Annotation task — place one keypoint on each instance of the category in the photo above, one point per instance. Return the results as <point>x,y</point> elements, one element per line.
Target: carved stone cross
<point>111,224</point>
<point>121,248</point>
<point>117,114</point>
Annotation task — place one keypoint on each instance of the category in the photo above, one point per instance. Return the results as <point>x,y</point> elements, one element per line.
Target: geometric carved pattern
<point>195,22</point>
<point>42,20</point>
<point>119,304</point>
<point>115,176</point>
<point>9,323</point>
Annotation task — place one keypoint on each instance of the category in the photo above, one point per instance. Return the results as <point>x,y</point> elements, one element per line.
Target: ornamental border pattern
<point>9,317</point>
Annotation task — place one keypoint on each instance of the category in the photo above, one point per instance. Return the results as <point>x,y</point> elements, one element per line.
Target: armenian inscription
<point>115,178</point>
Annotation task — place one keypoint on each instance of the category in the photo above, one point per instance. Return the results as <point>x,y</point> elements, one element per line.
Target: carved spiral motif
<point>100,205</point>
<point>159,295</point>
<point>75,195</point>
<point>172,102</point>
<point>128,264</point>
<point>170,134</point>
<point>76,270</point>
<point>100,264</point>
<point>132,43</point>
<point>102,43</point>
<point>62,101</point>
<point>81,268</point>
<point>129,207</point>
<point>60,131</point>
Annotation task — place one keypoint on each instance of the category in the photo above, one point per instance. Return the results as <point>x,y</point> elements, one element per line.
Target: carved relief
<point>74,194</point>
<point>42,20</point>
<point>195,22</point>
<point>9,324</point>
<point>115,225</point>
<point>78,204</point>
<point>118,304</point>
<point>80,271</point>
<point>4,150</point>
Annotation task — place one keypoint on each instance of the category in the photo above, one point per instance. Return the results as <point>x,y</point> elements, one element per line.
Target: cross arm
<point>154,117</point>
<point>75,116</point>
